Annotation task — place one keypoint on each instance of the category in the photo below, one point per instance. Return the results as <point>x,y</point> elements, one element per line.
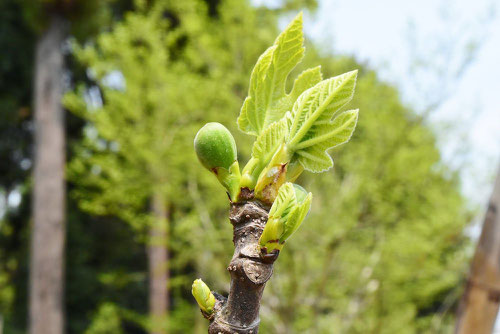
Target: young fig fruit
<point>215,146</point>
<point>216,150</point>
<point>204,297</point>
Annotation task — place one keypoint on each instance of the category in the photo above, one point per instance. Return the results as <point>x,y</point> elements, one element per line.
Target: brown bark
<point>479,305</point>
<point>158,266</point>
<point>239,313</point>
<point>48,233</point>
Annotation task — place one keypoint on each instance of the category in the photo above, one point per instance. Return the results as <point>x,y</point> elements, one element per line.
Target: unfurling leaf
<point>252,113</point>
<point>304,81</point>
<point>262,107</point>
<point>294,130</point>
<point>312,152</point>
<point>268,142</point>
<point>298,214</point>
<point>287,213</point>
<point>204,297</point>
<point>264,148</point>
<point>312,131</point>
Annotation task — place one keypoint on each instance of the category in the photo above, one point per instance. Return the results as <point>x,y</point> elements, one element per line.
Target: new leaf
<point>287,213</point>
<point>262,107</point>
<point>269,141</point>
<point>312,131</point>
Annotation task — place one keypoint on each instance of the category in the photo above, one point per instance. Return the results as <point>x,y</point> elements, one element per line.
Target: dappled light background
<point>387,245</point>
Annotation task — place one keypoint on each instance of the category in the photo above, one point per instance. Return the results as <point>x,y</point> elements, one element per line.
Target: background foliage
<point>382,251</point>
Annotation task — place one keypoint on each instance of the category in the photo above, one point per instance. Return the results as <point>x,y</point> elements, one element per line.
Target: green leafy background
<point>383,249</point>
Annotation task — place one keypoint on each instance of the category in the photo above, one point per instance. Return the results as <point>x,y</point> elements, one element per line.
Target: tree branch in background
<point>48,236</point>
<point>481,300</point>
<point>158,264</point>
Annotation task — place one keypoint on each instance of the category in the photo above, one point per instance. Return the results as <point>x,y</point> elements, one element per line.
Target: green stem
<point>230,179</point>
<point>249,173</point>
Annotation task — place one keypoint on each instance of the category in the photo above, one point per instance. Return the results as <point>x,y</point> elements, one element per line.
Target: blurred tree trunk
<point>480,302</point>
<point>158,265</point>
<point>48,233</point>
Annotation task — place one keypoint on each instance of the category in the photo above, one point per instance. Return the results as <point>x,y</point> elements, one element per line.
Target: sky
<point>443,56</point>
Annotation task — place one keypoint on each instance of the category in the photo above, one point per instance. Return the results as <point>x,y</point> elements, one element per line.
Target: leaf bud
<point>203,295</point>
<point>287,213</point>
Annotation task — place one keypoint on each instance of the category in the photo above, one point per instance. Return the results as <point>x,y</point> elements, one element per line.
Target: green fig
<point>216,150</point>
<point>215,146</point>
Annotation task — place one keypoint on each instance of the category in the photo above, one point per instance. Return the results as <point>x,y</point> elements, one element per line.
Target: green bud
<point>250,173</point>
<point>216,150</point>
<point>215,146</point>
<point>203,295</point>
<point>287,213</point>
<point>272,177</point>
<point>299,213</point>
